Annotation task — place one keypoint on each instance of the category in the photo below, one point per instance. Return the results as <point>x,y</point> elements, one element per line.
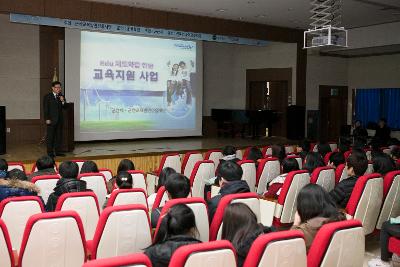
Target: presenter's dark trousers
<point>54,138</point>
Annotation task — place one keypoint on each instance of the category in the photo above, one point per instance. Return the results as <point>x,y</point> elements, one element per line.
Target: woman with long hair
<point>177,228</point>
<point>240,227</point>
<point>312,161</point>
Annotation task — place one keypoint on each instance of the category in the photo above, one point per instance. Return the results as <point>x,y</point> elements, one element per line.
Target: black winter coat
<point>342,192</point>
<point>160,254</point>
<point>64,185</point>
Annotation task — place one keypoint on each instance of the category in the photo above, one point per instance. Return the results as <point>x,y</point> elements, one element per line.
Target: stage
<point>145,153</point>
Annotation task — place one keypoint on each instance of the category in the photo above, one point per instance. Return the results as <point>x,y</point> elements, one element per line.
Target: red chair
<point>249,173</point>
<point>139,179</point>
<point>279,249</point>
<point>365,201</point>
<point>298,158</point>
<point>324,176</point>
<point>199,208</point>
<point>108,174</point>
<point>172,160</point>
<point>338,244</point>
<point>394,245</point>
<point>391,196</point>
<point>15,212</point>
<point>97,183</point>
<point>267,170</point>
<point>53,239</point>
<point>121,230</point>
<point>46,183</point>
<point>333,146</point>
<point>202,172</point>
<point>217,253</point>
<point>246,153</point>
<point>250,199</point>
<point>128,197</point>
<point>289,149</point>
<point>340,173</point>
<point>16,165</point>
<point>326,157</point>
<point>347,154</point>
<point>286,207</point>
<point>139,260</point>
<point>266,151</point>
<point>161,198</point>
<point>6,253</point>
<point>189,160</point>
<point>79,162</point>
<point>215,155</point>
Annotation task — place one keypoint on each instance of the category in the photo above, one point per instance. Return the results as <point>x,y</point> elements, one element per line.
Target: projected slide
<point>131,83</point>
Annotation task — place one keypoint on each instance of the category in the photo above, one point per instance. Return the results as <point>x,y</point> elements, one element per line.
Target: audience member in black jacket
<point>230,175</point>
<point>177,228</point>
<point>356,166</point>
<point>240,227</point>
<point>382,133</point>
<point>67,184</point>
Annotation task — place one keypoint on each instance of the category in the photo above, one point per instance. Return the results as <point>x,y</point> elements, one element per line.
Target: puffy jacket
<point>342,192</point>
<point>232,187</point>
<point>160,254</point>
<point>17,188</point>
<point>64,185</point>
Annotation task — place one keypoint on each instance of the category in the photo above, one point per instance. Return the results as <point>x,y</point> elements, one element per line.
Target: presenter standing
<point>53,104</point>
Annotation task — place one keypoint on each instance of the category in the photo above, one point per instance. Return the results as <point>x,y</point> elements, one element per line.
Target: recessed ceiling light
<point>221,10</point>
<point>290,9</point>
<point>135,3</point>
<point>241,18</point>
<point>261,16</point>
<point>174,8</point>
<point>251,2</point>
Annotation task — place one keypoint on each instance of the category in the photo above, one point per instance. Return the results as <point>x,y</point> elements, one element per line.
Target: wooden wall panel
<point>301,75</point>
<point>111,13</point>
<point>149,18</point>
<point>33,7</point>
<point>23,131</point>
<point>72,9</point>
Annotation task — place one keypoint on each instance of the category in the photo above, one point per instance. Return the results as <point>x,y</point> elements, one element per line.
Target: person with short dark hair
<point>53,104</point>
<point>359,132</point>
<point>177,186</point>
<point>382,134</point>
<point>278,151</point>
<point>335,159</point>
<point>162,179</point>
<point>314,209</point>
<point>17,185</point>
<point>255,155</point>
<point>123,180</point>
<point>274,187</point>
<point>323,148</point>
<point>45,166</point>
<point>313,161</point>
<point>67,184</point>
<point>89,166</point>
<point>356,165</point>
<point>383,164</point>
<point>3,168</point>
<point>229,177</point>
<point>177,228</point>
<point>240,227</point>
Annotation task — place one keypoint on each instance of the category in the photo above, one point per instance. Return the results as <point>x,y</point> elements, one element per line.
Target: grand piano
<point>232,121</point>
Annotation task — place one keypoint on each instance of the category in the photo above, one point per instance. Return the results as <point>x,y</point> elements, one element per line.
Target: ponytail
<point>124,180</point>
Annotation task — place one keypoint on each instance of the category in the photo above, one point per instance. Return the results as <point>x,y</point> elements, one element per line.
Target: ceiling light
<point>174,8</point>
<point>251,2</point>
<point>221,10</point>
<point>261,16</point>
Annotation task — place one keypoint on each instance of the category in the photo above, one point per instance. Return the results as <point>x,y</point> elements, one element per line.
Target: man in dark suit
<point>52,108</point>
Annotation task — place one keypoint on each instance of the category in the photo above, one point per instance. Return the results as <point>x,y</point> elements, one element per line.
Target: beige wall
<point>19,69</point>
<point>225,71</point>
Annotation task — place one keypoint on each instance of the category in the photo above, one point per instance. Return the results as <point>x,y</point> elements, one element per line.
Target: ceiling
<point>285,13</point>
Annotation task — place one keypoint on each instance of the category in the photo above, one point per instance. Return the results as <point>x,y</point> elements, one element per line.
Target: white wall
<point>19,69</point>
<point>225,71</point>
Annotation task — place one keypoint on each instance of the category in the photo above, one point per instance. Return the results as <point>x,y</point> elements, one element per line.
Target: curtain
<point>391,107</point>
<point>368,105</point>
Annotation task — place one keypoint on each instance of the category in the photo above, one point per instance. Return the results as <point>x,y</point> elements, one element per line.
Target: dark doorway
<point>333,107</point>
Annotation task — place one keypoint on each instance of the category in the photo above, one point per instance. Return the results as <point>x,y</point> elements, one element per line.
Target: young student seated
<point>255,154</point>
<point>323,148</point>
<point>177,228</point>
<point>230,175</point>
<point>314,209</point>
<point>335,159</point>
<point>176,186</point>
<point>303,148</point>
<point>124,165</point>
<point>278,151</point>
<point>383,164</point>
<point>162,178</point>
<point>17,185</point>
<point>89,166</point>
<point>356,166</point>
<point>240,227</point>
<point>123,181</point>
<point>45,166</point>
<point>395,153</point>
<point>67,184</point>
<point>3,169</point>
<point>312,161</point>
<point>274,187</point>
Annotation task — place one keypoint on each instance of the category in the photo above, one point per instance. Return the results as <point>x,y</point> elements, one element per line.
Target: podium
<point>67,141</point>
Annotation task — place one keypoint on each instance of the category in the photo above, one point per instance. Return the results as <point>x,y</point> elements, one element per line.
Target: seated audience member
<point>343,147</point>
<point>89,166</point>
<point>313,161</point>
<point>395,153</point>
<point>3,168</point>
<point>383,164</point>
<point>303,149</point>
<point>45,166</point>
<point>359,144</point>
<point>335,159</point>
<point>323,148</point>
<point>17,185</point>
<point>382,133</point>
<point>176,186</point>
<point>376,149</point>
<point>240,227</point>
<point>229,154</point>
<point>359,131</point>
<point>314,209</point>
<point>124,165</point>
<point>274,188</point>
<point>255,154</point>
<point>230,175</point>
<point>67,184</point>
<point>389,228</point>
<point>177,228</point>
<point>162,178</point>
<point>123,181</point>
<point>278,151</point>
<point>356,166</point>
